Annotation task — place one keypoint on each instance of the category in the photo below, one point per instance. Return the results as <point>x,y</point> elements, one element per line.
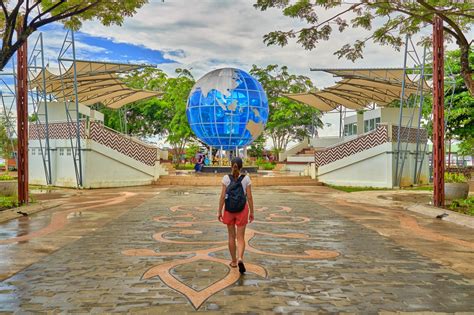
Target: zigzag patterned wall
<point>367,141</point>
<point>359,144</point>
<point>56,131</point>
<point>100,134</point>
<point>122,144</point>
<point>410,134</point>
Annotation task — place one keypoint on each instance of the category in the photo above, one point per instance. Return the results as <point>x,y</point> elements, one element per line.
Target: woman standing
<point>236,195</point>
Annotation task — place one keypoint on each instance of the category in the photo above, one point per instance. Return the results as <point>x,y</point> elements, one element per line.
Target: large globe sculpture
<point>227,108</point>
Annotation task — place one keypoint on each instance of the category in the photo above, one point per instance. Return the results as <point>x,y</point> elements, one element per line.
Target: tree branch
<point>62,16</point>
<point>39,16</point>
<point>352,7</point>
<point>460,35</point>
<point>4,8</point>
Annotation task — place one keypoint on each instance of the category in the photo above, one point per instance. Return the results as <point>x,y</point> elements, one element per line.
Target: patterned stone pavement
<point>164,251</point>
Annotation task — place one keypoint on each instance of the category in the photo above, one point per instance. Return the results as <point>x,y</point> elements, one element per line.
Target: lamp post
<point>438,113</point>
<point>22,121</point>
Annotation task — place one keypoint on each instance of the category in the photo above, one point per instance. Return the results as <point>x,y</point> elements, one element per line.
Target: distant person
<point>236,196</point>
<point>199,163</point>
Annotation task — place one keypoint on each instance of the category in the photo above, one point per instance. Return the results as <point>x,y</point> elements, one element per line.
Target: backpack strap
<point>241,178</point>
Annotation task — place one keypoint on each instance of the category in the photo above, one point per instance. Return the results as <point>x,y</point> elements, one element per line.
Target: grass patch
<point>422,188</point>
<point>6,177</point>
<point>8,202</point>
<point>464,206</point>
<point>350,189</point>
<point>182,167</point>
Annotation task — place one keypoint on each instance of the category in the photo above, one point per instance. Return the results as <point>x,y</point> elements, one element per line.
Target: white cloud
<point>206,34</point>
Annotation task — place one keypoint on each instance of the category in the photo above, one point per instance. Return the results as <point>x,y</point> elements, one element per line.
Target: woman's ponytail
<point>235,171</point>
<point>236,165</point>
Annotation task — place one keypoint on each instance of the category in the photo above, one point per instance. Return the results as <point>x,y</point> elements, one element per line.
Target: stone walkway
<point>161,250</point>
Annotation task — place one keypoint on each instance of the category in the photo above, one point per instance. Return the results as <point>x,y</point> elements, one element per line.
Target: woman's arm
<point>250,201</point>
<point>221,203</point>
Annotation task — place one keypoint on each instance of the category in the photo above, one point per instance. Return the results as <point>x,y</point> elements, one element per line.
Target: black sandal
<point>242,269</point>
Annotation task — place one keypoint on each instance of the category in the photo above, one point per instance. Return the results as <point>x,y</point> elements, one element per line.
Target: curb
<point>11,214</point>
<point>453,217</point>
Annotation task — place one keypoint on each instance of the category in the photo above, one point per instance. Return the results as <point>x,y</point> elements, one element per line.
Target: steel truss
<point>8,100</point>
<point>420,77</point>
<point>39,98</point>
<point>73,124</point>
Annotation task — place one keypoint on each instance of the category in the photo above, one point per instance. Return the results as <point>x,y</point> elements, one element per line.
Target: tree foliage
<point>160,116</point>
<point>288,120</point>
<point>459,105</point>
<point>7,144</point>
<point>387,21</point>
<point>143,118</point>
<point>176,94</point>
<point>29,15</point>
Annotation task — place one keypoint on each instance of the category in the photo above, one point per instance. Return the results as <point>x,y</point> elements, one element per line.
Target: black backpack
<point>235,198</point>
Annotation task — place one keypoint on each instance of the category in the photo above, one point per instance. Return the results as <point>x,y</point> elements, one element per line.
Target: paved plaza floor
<point>160,249</point>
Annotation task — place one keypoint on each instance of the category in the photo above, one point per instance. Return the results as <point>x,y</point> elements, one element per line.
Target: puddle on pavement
<point>426,199</point>
<point>48,194</point>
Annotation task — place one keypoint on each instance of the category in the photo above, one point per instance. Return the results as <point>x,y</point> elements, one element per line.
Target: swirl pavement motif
<point>182,223</point>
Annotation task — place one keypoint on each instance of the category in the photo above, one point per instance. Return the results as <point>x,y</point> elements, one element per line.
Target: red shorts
<point>238,218</point>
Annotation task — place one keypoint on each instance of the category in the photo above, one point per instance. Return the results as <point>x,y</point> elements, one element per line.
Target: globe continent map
<point>227,108</point>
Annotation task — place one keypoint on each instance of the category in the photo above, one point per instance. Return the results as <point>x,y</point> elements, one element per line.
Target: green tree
<point>288,120</point>
<point>388,22</point>
<point>192,150</point>
<point>7,144</point>
<point>459,105</point>
<point>257,147</point>
<point>176,96</point>
<point>143,118</point>
<point>29,15</point>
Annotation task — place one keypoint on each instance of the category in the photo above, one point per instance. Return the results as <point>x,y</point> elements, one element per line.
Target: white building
<point>108,158</point>
<point>78,150</point>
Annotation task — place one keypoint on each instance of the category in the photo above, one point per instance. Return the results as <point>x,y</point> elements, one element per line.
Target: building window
<point>33,151</point>
<point>61,152</point>
<point>350,129</point>
<point>371,124</point>
<point>68,152</point>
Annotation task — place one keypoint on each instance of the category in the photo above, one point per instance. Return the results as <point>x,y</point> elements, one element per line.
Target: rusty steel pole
<point>438,113</point>
<point>22,122</point>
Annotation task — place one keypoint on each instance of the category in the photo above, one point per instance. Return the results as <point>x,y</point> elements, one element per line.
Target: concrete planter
<point>454,191</point>
<point>8,188</point>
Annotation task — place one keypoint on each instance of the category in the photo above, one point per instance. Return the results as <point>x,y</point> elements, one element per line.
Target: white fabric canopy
<point>97,82</point>
<point>361,88</point>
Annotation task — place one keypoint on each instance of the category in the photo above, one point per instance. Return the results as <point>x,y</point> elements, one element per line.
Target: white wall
<point>386,114</point>
<point>324,142</point>
<point>57,111</point>
<point>101,165</point>
<point>367,168</point>
<point>375,167</point>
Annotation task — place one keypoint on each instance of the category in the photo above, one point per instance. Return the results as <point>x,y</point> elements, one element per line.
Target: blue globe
<point>227,108</point>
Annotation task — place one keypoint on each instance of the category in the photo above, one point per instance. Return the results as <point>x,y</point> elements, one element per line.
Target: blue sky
<point>101,48</point>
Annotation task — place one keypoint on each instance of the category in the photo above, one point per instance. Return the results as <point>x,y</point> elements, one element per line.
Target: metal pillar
<point>438,113</point>
<point>38,97</point>
<point>73,124</point>
<point>22,122</point>
<point>402,100</point>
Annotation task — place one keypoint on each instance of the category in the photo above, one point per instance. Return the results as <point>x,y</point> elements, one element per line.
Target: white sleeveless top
<point>245,182</point>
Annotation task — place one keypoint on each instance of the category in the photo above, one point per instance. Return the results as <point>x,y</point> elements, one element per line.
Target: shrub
<point>465,206</point>
<point>454,178</point>
<point>6,177</point>
<point>7,202</point>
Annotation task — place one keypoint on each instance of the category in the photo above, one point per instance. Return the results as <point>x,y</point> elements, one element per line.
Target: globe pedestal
<point>227,169</point>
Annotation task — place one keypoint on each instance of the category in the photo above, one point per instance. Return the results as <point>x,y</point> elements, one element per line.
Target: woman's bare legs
<point>241,242</point>
<point>232,247</point>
